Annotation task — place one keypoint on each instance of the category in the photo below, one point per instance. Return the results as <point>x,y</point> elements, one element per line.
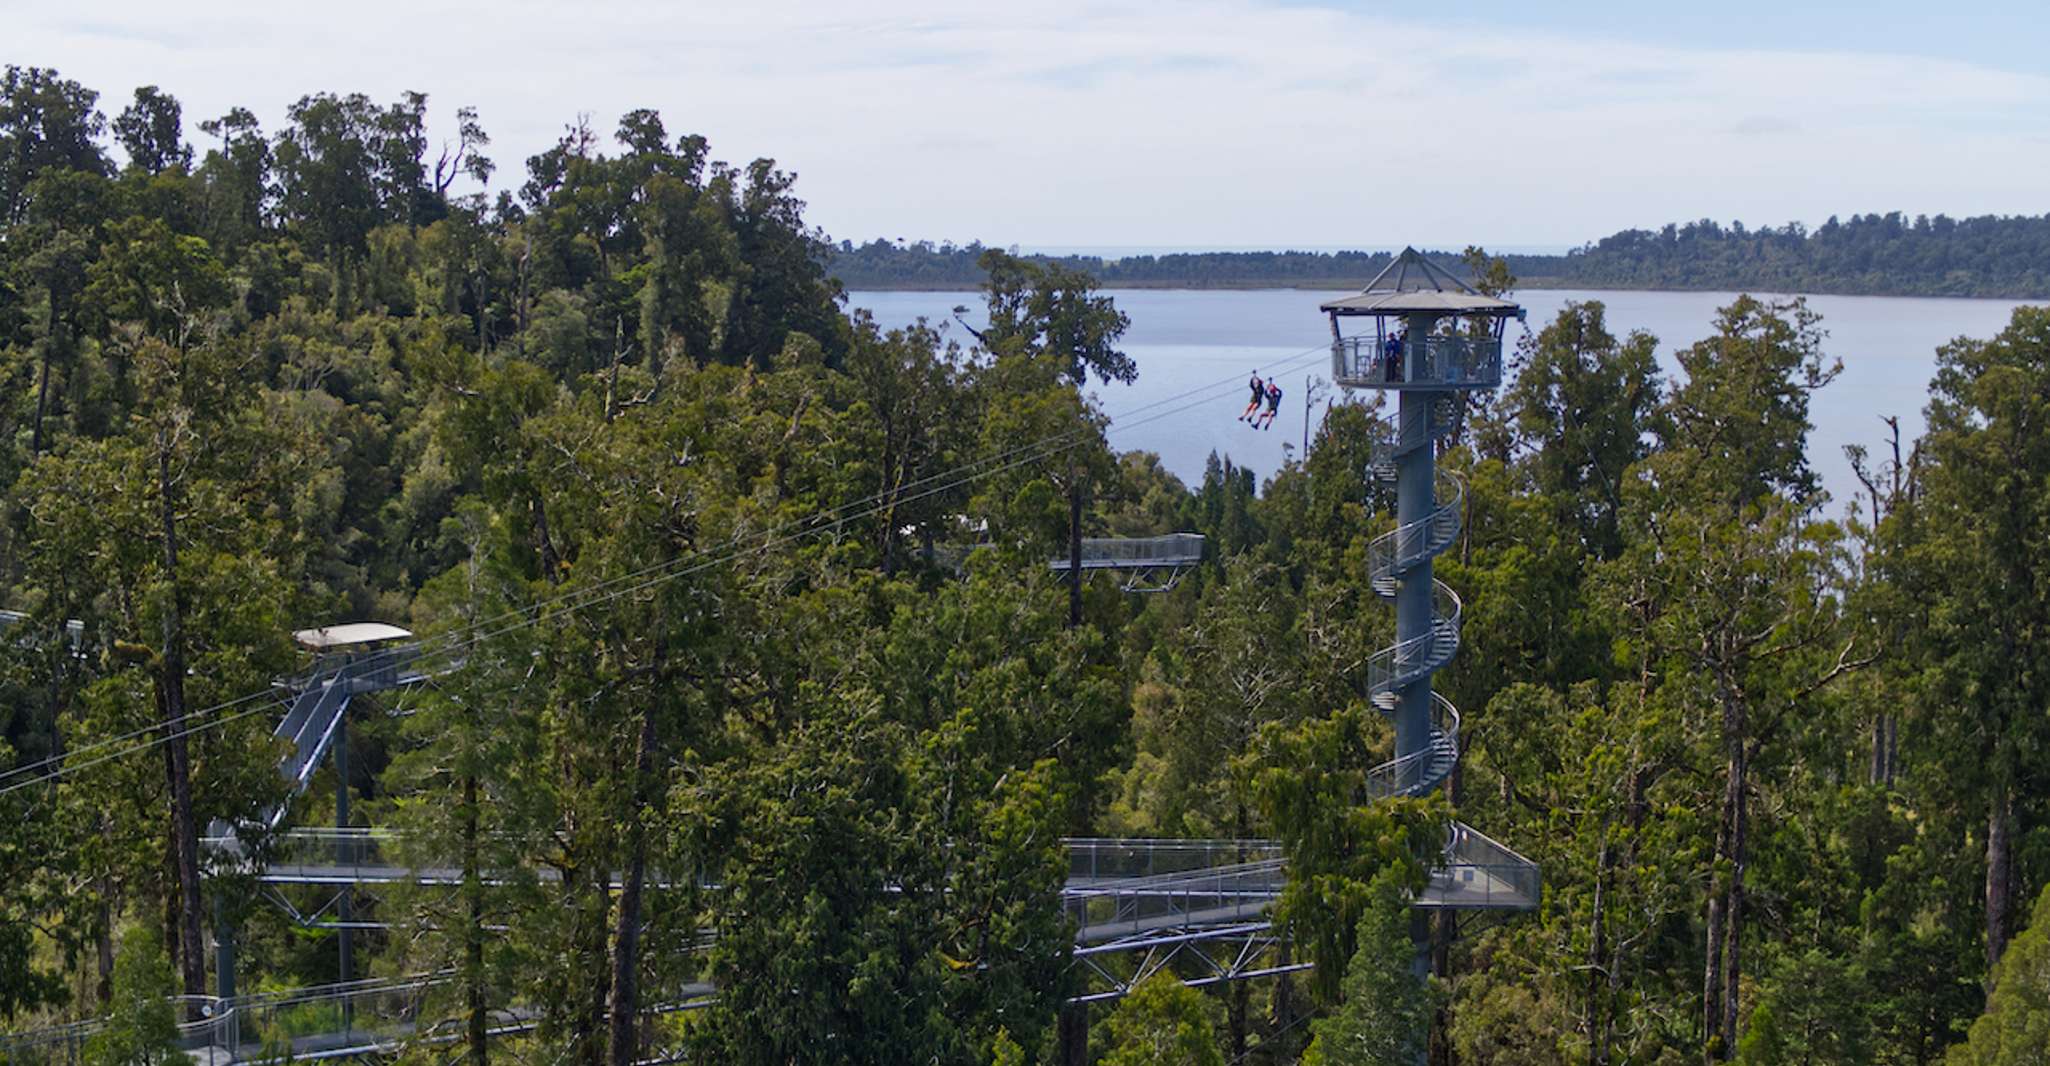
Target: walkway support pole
<point>345,910</point>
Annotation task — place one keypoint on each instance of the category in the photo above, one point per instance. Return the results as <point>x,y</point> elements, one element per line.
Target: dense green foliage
<point>1162,1023</point>
<point>1385,1016</point>
<point>765,685</point>
<point>1876,255</point>
<point>142,1027</point>
<point>2015,1030</point>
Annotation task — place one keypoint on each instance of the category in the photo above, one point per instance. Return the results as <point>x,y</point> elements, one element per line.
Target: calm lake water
<point>1184,340</point>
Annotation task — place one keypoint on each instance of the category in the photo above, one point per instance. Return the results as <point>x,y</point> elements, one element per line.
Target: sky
<point>1180,123</point>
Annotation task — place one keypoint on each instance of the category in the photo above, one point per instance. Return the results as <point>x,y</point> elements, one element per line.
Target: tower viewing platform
<point>1431,331</point>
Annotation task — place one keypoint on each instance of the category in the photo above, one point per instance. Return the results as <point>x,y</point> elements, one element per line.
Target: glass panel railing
<point>1459,362</point>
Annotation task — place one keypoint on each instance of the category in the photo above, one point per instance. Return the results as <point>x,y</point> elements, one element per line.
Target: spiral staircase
<point>1431,340</point>
<point>1391,557</point>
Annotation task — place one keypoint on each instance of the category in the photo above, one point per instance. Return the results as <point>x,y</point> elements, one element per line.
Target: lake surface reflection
<point>1184,340</point>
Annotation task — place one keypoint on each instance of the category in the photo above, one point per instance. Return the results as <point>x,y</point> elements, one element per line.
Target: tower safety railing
<point>1422,770</point>
<point>1429,362</point>
<point>1397,666</point>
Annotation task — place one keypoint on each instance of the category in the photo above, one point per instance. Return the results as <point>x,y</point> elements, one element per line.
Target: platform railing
<point>1093,859</point>
<point>1426,362</point>
<point>1210,897</point>
<point>1482,873</point>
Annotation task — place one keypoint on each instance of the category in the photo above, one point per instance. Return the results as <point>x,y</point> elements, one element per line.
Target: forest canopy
<point>753,724</point>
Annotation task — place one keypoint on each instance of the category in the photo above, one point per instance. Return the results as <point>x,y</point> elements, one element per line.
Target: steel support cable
<point>874,504</point>
<point>659,573</point>
<point>130,735</point>
<point>893,496</point>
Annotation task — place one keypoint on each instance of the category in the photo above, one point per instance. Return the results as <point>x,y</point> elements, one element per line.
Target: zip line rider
<point>1259,392</point>
<point>1265,420</point>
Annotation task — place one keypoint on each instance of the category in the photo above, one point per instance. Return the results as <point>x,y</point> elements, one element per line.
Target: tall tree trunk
<point>526,263</point>
<point>1071,1035</point>
<point>1733,907</point>
<point>169,894</point>
<point>1236,1002</point>
<point>626,940</point>
<point>1893,748</point>
<point>35,447</point>
<point>103,944</point>
<point>1635,812</point>
<point>612,371</point>
<point>544,542</point>
<point>1281,1010</point>
<point>171,678</point>
<point>1712,977</point>
<point>589,900</point>
<point>1593,1012</point>
<point>1725,918</point>
<point>56,342</point>
<point>475,1004</point>
<point>1999,875</point>
<point>1885,750</point>
<point>483,337</point>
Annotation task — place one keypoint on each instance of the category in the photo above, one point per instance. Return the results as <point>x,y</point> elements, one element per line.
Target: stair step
<point>1384,701</point>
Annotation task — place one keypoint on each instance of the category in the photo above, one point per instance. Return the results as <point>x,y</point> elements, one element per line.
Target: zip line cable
<point>456,639</point>
<point>599,593</point>
<point>548,609</point>
<point>131,735</point>
<point>891,495</point>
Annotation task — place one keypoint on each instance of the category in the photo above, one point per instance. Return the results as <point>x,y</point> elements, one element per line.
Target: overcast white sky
<point>1212,123</point>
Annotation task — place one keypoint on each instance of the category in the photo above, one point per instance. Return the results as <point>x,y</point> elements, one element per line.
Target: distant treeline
<point>1879,255</point>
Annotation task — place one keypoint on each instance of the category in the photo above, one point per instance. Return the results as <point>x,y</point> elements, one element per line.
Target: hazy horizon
<point>1217,124</point>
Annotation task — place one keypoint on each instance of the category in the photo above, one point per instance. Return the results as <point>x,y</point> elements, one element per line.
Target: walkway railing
<point>1482,874</point>
<point>1111,553</point>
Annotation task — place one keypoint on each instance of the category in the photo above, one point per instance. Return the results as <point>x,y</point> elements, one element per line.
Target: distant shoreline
<point>1522,285</point>
<point>1986,257</point>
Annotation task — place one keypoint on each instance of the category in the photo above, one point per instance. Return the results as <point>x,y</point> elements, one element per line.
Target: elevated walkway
<point>1150,564</point>
<point>1114,887</point>
<point>1157,899</point>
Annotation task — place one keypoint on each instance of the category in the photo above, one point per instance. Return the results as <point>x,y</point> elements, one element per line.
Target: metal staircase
<point>1391,558</point>
<point>1434,339</point>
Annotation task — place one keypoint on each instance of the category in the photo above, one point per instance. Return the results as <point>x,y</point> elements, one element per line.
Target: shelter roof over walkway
<point>349,634</point>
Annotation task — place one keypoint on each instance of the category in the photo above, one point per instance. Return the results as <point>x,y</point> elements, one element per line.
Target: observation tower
<point>1433,340</point>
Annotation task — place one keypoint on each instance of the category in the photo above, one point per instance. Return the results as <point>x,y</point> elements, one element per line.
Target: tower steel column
<point>1415,499</point>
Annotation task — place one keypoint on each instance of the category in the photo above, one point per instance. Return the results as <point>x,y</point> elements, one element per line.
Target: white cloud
<point>1227,122</point>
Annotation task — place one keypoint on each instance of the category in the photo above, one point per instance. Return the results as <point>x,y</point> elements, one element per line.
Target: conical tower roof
<point>1413,284</point>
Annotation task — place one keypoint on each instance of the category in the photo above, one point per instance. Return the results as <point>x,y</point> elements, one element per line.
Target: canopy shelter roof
<point>1413,284</point>
<point>349,635</point>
